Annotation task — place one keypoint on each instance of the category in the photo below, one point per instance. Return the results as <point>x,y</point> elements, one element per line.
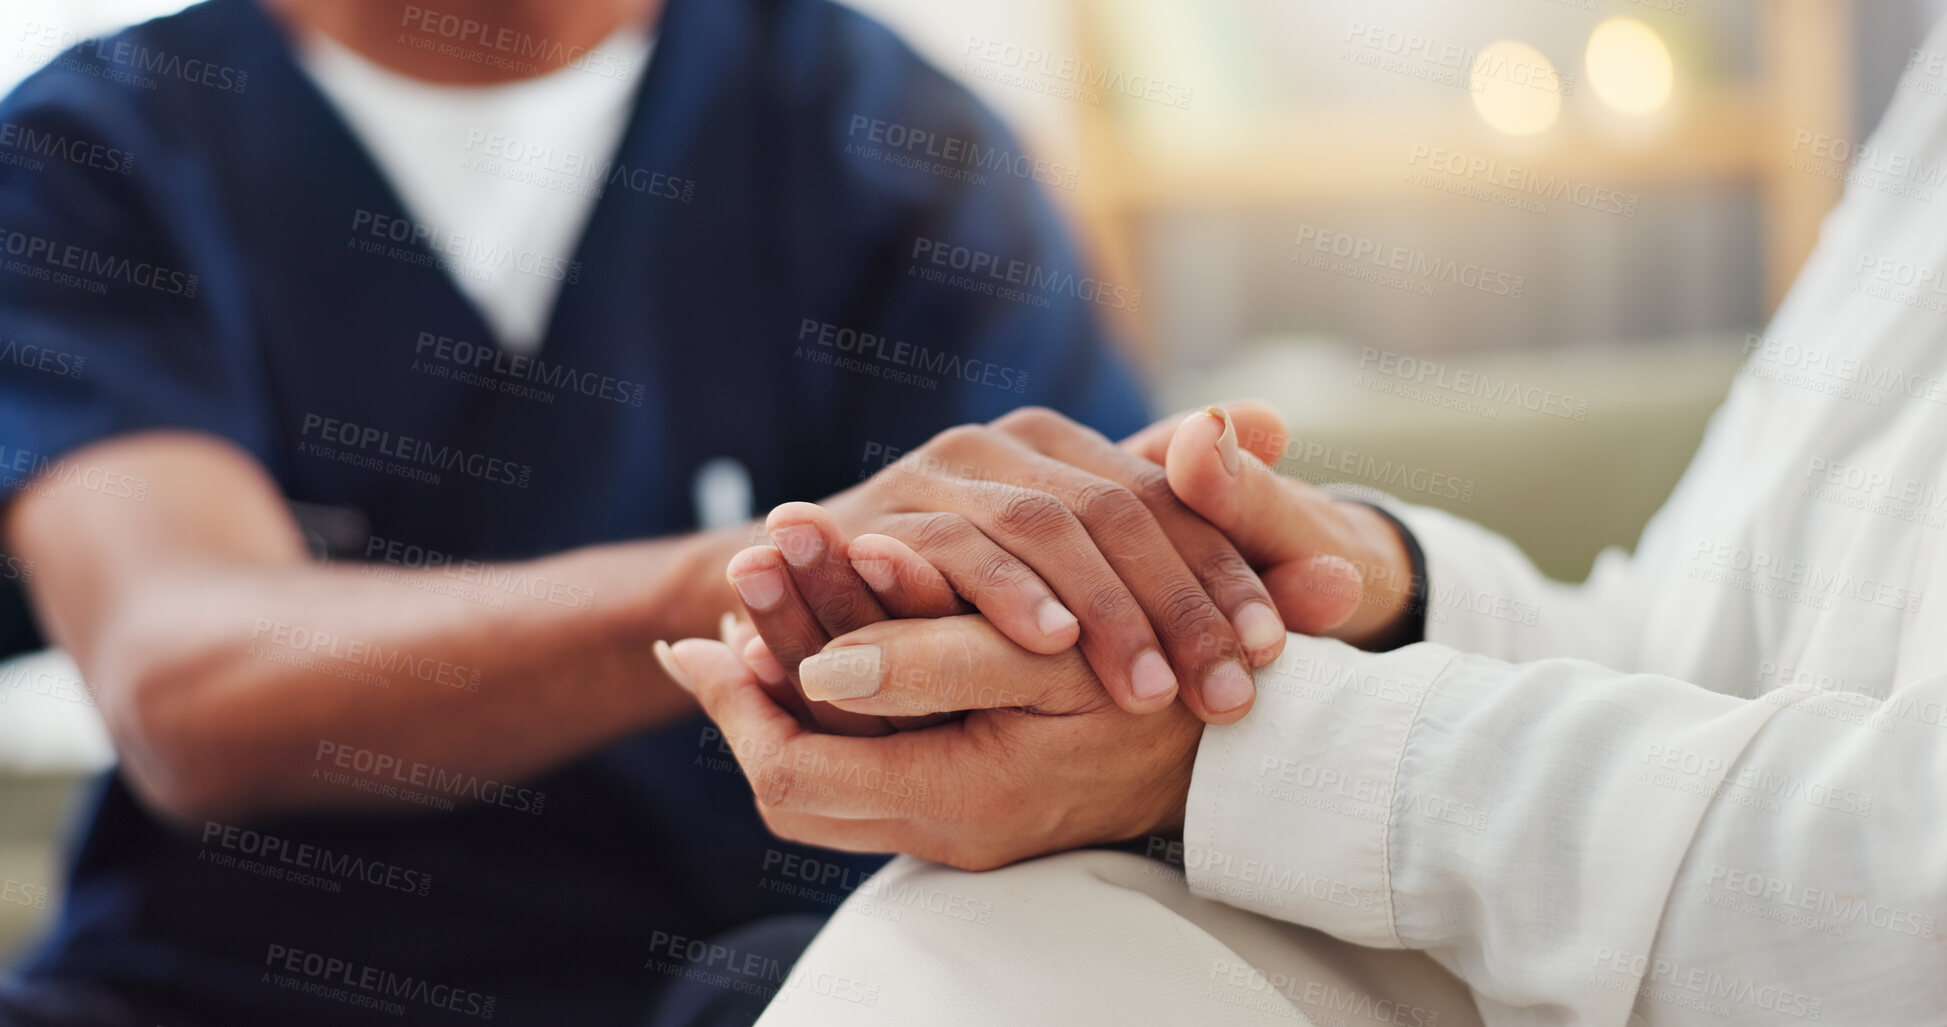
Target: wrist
<point>1175,792</point>
<point>691,590</point>
<point>1392,603</point>
<point>665,589</point>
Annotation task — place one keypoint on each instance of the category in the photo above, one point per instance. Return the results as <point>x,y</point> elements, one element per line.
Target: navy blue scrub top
<point>212,264</point>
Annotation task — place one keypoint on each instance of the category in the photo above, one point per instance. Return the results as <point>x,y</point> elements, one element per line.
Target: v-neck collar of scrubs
<point>359,173</point>
<point>503,176</point>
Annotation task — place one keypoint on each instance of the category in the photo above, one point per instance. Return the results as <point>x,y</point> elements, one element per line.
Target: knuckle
<point>936,531</point>
<point>775,785</point>
<point>1152,486</point>
<point>838,608</point>
<point>994,572</point>
<point>1106,505</point>
<point>1111,603</point>
<point>1223,564</point>
<point>792,648</point>
<point>1029,513</point>
<point>1184,611</point>
<point>1029,420</point>
<point>956,439</point>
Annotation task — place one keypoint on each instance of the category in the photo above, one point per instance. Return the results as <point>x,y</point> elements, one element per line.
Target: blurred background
<point>1499,256</point>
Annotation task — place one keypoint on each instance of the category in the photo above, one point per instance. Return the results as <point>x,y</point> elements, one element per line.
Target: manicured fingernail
<point>667,657</point>
<point>1151,677</point>
<point>1227,442</point>
<point>801,544</point>
<point>1227,688</point>
<point>848,672</point>
<point>1053,618</point>
<point>878,574</point>
<point>1259,627</point>
<point>762,590</point>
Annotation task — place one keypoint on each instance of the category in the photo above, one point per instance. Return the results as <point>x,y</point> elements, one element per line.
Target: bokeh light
<point>1629,66</point>
<point>1515,88</point>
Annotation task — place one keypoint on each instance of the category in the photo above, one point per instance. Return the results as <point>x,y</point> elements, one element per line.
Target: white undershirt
<point>501,179</point>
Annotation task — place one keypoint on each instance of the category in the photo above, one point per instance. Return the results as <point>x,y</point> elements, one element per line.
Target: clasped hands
<point>1007,643</point>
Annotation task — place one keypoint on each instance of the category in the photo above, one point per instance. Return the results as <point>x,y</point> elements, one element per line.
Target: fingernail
<point>1053,618</point>
<point>801,544</point>
<point>1259,627</point>
<point>848,672</point>
<point>726,625</point>
<point>762,590</point>
<point>1227,688</point>
<point>878,574</point>
<point>1151,677</point>
<point>1227,442</point>
<point>667,657</point>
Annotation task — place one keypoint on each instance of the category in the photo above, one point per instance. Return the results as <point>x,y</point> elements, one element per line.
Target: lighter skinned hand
<point>1336,568</point>
<point>1043,762</point>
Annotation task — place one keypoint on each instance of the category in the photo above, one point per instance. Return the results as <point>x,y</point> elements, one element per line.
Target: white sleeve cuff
<point>1472,603</point>
<point>1290,807</point>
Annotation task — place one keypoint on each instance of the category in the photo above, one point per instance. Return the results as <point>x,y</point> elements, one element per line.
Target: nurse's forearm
<point>262,690</point>
<point>239,677</point>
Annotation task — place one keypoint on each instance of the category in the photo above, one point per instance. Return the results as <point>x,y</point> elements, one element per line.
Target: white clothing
<point>1709,786</point>
<point>500,180</point>
<point>1085,938</point>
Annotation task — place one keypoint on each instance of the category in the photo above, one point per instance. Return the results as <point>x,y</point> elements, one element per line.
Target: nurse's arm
<point>239,678</point>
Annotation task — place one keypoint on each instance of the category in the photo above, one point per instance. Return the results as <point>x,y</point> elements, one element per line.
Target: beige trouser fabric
<point>1092,937</point>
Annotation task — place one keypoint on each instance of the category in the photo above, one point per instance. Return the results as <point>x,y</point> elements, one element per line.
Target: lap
<point>1090,937</point>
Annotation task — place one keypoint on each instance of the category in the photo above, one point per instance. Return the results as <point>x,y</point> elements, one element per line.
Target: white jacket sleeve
<point>1575,843</point>
<point>1485,596</point>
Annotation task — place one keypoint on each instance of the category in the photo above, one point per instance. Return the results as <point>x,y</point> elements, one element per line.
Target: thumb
<point>901,668</point>
<point>1260,428</point>
<point>726,689</point>
<point>1283,527</point>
